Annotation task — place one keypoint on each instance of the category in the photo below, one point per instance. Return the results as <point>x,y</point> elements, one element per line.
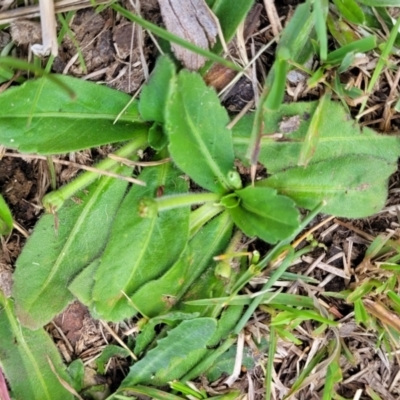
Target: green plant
<point>143,249</point>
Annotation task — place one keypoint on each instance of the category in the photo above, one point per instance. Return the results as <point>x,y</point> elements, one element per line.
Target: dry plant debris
<point>116,52</point>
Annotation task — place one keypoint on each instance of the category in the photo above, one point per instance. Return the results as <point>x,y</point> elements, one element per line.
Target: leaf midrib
<point>65,249</point>
<point>73,115</point>
<point>204,150</point>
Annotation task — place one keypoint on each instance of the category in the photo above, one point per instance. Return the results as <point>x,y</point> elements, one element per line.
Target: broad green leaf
<point>353,186</point>
<point>6,219</point>
<point>40,117</point>
<point>148,332</point>
<point>60,247</point>
<point>339,136</point>
<point>173,356</point>
<point>82,285</point>
<point>154,95</point>
<point>265,214</point>
<point>200,143</point>
<point>159,295</point>
<point>206,358</point>
<point>140,249</point>
<point>27,357</point>
<point>76,370</point>
<point>350,10</point>
<point>340,31</point>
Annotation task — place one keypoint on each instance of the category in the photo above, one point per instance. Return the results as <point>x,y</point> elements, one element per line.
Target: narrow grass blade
<point>320,12</point>
<point>311,138</point>
<point>6,219</point>
<point>388,46</point>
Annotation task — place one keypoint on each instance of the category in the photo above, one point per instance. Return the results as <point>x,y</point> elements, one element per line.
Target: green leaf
<point>155,94</point>
<point>353,186</point>
<point>265,214</point>
<point>76,370</point>
<point>297,35</point>
<point>149,392</point>
<point>27,357</point>
<point>267,298</point>
<point>157,138</point>
<point>140,249</point>
<point>174,355</point>
<point>82,285</point>
<point>362,46</point>
<point>6,219</point>
<point>109,351</point>
<point>350,10</point>
<point>225,363</point>
<point>311,139</point>
<point>54,255</point>
<point>380,3</point>
<point>230,15</point>
<point>159,295</point>
<point>39,117</point>
<point>148,332</point>
<point>340,31</point>
<point>200,143</point>
<point>339,136</point>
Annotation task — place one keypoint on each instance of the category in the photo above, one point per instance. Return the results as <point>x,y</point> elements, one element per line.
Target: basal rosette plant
<point>144,249</point>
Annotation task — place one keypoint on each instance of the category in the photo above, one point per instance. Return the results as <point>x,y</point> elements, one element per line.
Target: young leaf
<point>109,351</point>
<point>28,359</point>
<point>39,117</point>
<point>54,255</point>
<point>140,249</point>
<point>6,220</point>
<point>353,186</point>
<point>155,94</point>
<point>200,143</point>
<point>157,296</point>
<point>265,214</point>
<point>148,332</point>
<point>174,355</point>
<point>338,136</point>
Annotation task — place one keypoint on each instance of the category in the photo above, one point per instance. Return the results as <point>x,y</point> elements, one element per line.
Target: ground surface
<point>112,57</point>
